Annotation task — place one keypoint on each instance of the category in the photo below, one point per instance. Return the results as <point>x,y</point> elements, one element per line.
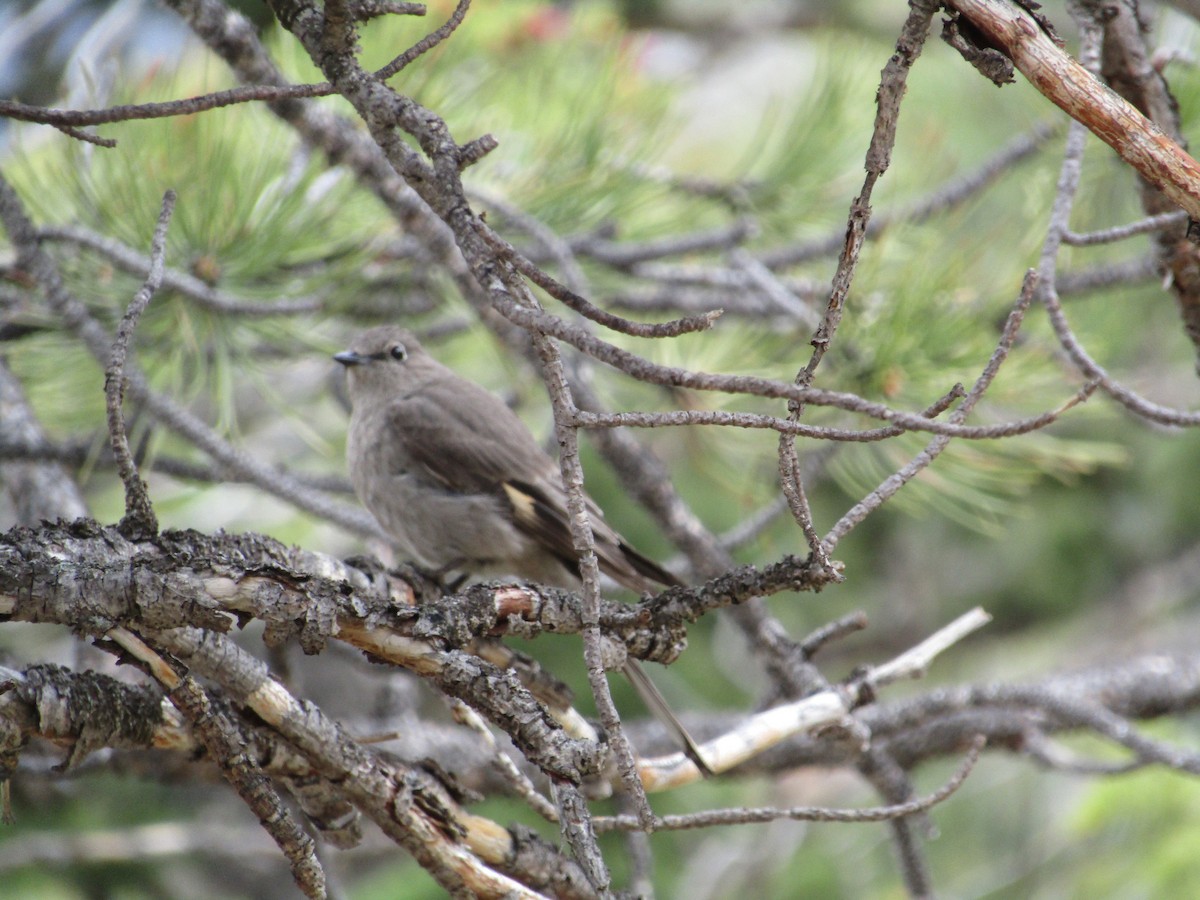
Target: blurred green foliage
<point>1148,815</point>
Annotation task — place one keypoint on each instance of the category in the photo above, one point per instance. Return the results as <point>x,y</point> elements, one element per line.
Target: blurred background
<point>1081,540</point>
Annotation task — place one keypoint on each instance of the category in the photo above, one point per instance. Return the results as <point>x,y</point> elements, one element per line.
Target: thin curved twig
<point>139,512</point>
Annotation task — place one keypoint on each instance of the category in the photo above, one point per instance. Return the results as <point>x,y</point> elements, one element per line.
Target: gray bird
<point>460,484</point>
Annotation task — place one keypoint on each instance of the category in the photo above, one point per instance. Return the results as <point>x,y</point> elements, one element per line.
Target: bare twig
<point>914,663</point>
<point>410,808</point>
<point>129,260</point>
<point>139,513</point>
<point>879,156</point>
<point>33,259</point>
<point>946,197</point>
<point>585,308</point>
<point>746,816</point>
<point>644,370</point>
<point>83,452</point>
<point>833,631</point>
<point>1139,270</point>
<point>61,118</point>
<point>891,90</point>
<point>575,824</point>
<point>933,449</point>
<point>1123,232</point>
<point>1072,88</point>
<point>631,254</point>
<point>558,249</point>
<point>524,788</point>
<point>226,747</point>
<point>1068,184</point>
<point>589,567</point>
<point>37,486</point>
<point>372,9</point>
<point>426,43</point>
<point>759,732</point>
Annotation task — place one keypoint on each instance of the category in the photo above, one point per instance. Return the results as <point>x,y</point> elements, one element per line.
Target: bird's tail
<point>657,704</point>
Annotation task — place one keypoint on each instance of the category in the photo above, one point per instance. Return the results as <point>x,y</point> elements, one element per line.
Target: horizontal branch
<point>129,260</point>
<point>189,579</point>
<point>42,115</point>
<point>82,453</point>
<point>754,735</point>
<point>744,816</point>
<point>674,376</point>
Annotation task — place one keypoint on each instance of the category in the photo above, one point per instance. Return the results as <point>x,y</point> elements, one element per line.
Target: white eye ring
<point>398,351</point>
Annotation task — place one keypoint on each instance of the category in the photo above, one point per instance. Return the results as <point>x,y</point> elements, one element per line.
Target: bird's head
<point>386,359</point>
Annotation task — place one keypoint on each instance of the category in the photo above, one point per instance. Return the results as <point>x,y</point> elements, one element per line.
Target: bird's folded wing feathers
<point>466,456</point>
<point>496,454</point>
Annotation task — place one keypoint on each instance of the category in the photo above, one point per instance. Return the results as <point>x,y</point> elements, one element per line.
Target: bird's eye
<point>398,351</point>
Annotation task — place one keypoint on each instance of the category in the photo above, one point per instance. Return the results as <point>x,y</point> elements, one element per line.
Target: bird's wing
<point>657,704</point>
<point>433,435</point>
<point>495,453</point>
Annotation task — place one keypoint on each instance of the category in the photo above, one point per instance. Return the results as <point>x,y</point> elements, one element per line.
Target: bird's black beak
<point>349,358</point>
